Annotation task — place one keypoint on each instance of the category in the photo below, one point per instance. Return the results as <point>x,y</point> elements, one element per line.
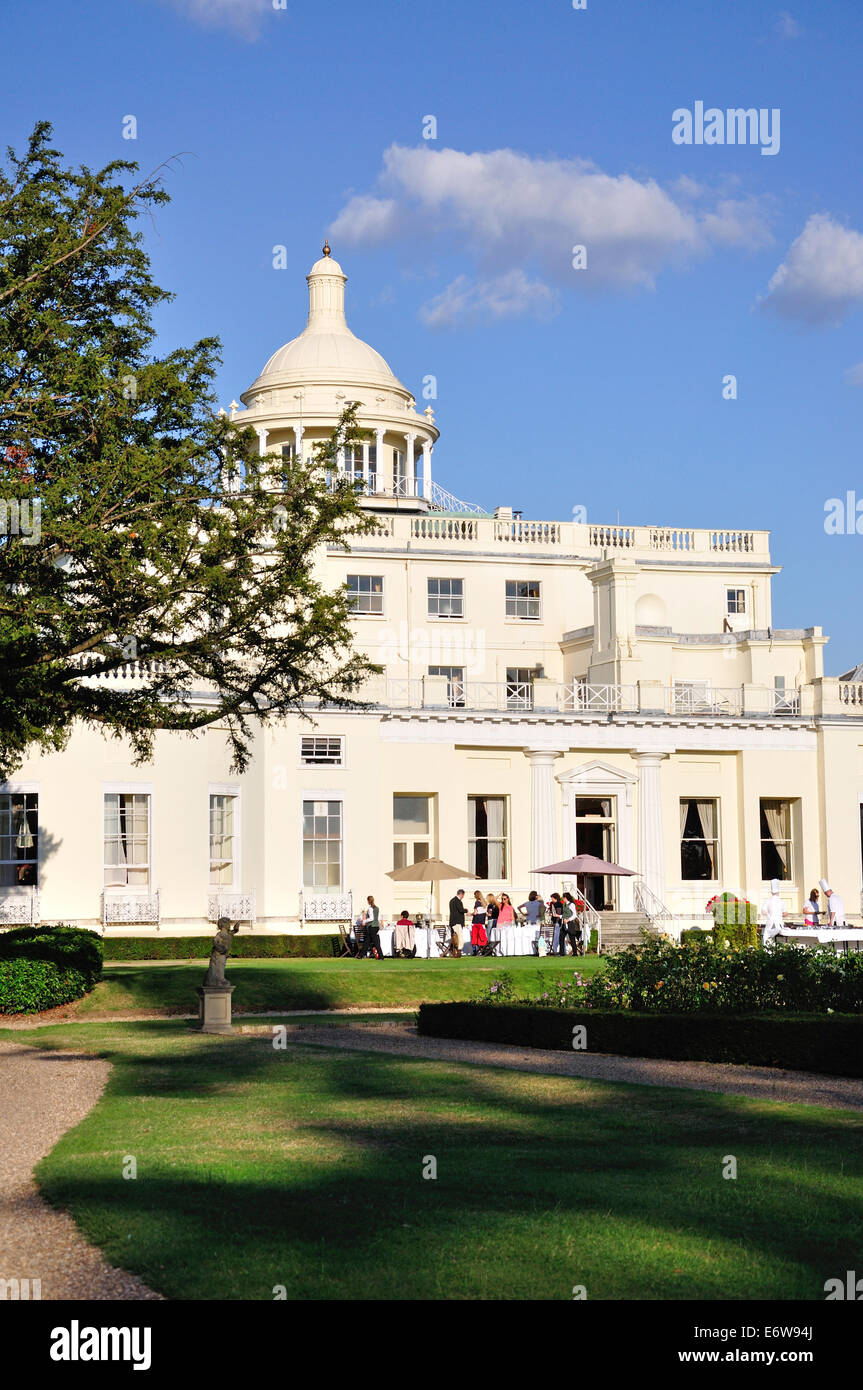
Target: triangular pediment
<point>597,771</point>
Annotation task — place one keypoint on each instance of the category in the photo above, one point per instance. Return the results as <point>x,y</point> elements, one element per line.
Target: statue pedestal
<point>214,1009</point>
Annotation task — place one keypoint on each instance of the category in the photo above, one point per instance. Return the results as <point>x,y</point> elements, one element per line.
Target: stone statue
<point>215,976</point>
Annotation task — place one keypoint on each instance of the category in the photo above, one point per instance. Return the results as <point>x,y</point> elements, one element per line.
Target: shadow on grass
<point>305,1168</point>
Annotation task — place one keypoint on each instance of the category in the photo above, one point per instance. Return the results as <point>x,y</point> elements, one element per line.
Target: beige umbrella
<point>429,871</point>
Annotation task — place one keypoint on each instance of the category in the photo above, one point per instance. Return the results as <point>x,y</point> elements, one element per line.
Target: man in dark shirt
<point>456,919</point>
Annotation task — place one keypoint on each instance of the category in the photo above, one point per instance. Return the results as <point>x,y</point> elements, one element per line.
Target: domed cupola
<point>301,392</point>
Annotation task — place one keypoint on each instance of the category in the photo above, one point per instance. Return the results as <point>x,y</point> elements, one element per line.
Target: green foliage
<point>145,551</point>
<point>28,986</point>
<point>658,977</point>
<point>739,937</point>
<point>832,1045</point>
<point>693,936</point>
<point>71,948</point>
<point>248,947</point>
<point>730,911</point>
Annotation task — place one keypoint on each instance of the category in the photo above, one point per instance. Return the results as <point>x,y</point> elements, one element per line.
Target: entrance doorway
<point>595,834</point>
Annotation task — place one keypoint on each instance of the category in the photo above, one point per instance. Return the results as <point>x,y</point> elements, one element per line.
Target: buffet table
<point>824,936</point>
<point>512,941</point>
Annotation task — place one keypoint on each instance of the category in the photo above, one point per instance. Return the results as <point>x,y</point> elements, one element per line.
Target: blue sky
<point>557,387</point>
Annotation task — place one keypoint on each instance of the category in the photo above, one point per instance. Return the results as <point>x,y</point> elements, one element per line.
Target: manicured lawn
<point>273,985</point>
<point>303,1167</point>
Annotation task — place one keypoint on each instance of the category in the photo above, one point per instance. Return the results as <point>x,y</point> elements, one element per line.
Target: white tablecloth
<point>823,935</point>
<point>513,941</point>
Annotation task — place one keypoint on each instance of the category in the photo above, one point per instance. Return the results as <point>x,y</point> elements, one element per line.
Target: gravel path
<point>758,1083</point>
<point>42,1094</point>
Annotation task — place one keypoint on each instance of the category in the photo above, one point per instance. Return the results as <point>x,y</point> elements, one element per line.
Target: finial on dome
<point>326,248</point>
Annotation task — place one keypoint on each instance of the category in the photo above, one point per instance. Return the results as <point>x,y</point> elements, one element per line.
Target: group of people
<point>489,913</point>
<point>774,912</point>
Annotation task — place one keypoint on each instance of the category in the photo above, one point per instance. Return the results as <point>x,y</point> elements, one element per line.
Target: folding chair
<point>345,934</point>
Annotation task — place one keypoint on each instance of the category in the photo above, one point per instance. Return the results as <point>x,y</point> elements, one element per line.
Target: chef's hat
<point>824,885</point>
<point>774,885</point>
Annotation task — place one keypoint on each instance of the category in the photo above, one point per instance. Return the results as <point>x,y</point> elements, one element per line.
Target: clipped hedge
<point>799,1042</point>
<point>68,948</point>
<point>44,967</point>
<point>249,947</point>
<point>737,937</point>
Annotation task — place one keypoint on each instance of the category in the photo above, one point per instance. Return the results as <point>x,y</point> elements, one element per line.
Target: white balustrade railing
<point>20,909</point>
<point>240,907</point>
<point>529,532</point>
<point>579,697</point>
<point>851,693</point>
<point>713,701</point>
<point>737,542</point>
<point>605,699</point>
<point>129,909</point>
<point>444,528</point>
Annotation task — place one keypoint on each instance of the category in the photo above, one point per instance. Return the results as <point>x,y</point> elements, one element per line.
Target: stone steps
<point>622,929</point>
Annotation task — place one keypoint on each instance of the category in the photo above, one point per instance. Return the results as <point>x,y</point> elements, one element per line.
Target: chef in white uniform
<point>773,913</point>
<point>835,905</point>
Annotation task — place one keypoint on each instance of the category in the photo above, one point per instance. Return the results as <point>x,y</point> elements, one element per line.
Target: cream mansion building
<point>549,687</point>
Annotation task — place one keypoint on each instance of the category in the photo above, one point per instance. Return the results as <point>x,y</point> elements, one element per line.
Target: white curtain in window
<point>775,817</point>
<point>494,812</point>
<point>707,815</point>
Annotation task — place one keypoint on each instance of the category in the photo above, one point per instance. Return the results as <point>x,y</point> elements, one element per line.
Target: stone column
<point>379,463</point>
<point>262,441</point>
<point>427,474</point>
<point>299,431</point>
<point>365,468</point>
<point>410,466</point>
<point>543,813</point>
<point>651,844</point>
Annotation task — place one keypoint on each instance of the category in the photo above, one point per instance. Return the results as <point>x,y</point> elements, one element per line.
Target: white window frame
<point>516,599</point>
<point>130,789</point>
<point>716,842</point>
<point>444,617</point>
<point>26,789</point>
<point>411,840</point>
<point>354,612</point>
<point>331,738</point>
<point>322,794</point>
<point>792,802</point>
<point>735,612</point>
<point>234,790</point>
<point>477,839</point>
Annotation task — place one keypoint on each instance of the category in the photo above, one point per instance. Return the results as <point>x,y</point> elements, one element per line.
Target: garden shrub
<point>72,948</point>
<point>737,937</point>
<point>249,947</point>
<point>693,936</point>
<point>28,986</point>
<point>802,1042</point>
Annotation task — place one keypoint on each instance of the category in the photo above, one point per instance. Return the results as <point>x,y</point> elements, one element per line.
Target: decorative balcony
<point>240,907</point>
<point>130,909</point>
<point>20,909</point>
<point>578,698</point>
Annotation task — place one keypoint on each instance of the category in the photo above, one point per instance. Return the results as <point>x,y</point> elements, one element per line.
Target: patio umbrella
<point>429,871</point>
<point>586,864</point>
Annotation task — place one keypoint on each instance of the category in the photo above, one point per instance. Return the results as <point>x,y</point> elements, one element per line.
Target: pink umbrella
<point>585,864</point>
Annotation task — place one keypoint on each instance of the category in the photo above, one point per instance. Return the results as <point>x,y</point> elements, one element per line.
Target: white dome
<point>330,356</point>
<point>327,351</point>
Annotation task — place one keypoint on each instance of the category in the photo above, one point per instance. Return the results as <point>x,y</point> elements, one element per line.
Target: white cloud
<point>507,296</point>
<point>821,278</point>
<point>506,212</point>
<point>242,16</point>
<point>786,26</point>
